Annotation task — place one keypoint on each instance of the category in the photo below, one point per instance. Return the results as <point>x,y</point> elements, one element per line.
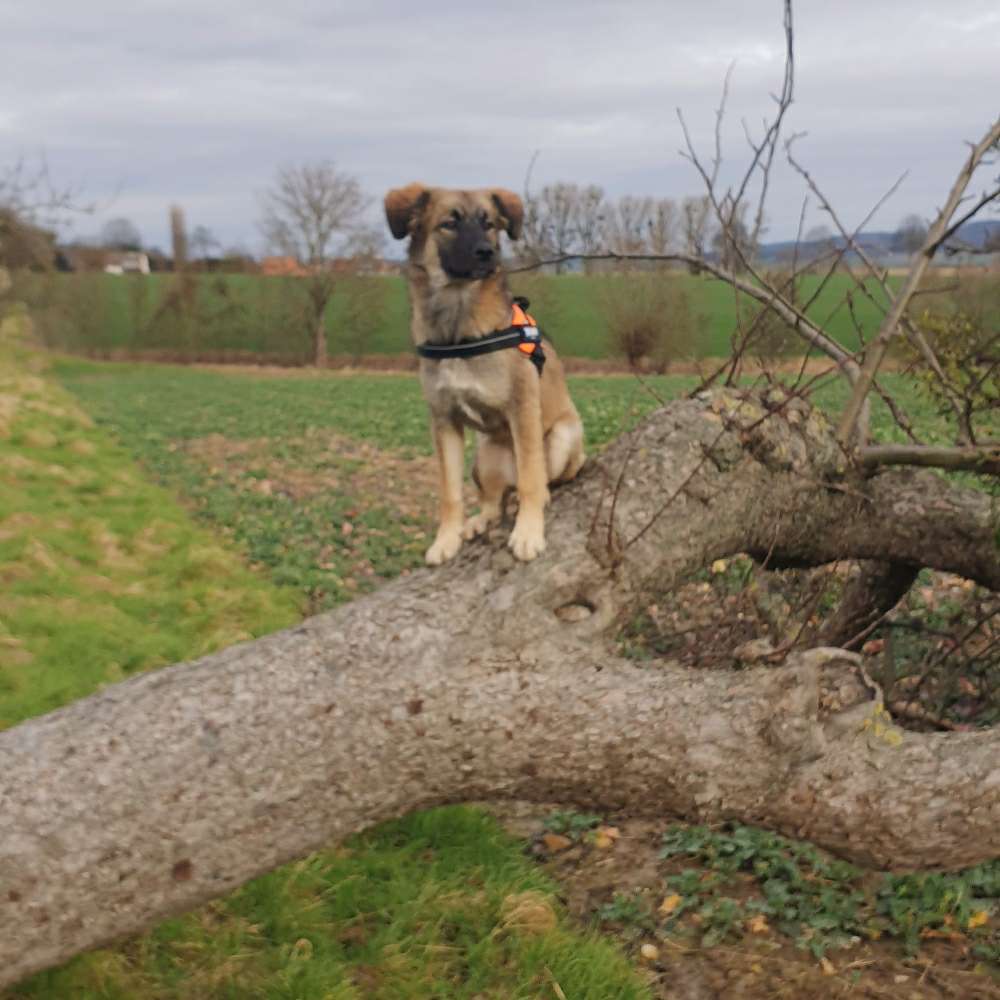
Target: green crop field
<point>249,315</point>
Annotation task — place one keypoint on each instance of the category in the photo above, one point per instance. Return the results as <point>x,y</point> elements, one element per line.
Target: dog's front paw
<point>445,547</point>
<point>527,540</point>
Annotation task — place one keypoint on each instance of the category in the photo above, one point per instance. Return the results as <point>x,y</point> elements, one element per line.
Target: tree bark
<point>877,589</point>
<point>487,678</point>
<point>319,342</point>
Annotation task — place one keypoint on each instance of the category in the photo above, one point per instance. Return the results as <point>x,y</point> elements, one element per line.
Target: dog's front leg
<point>527,540</point>
<point>449,445</point>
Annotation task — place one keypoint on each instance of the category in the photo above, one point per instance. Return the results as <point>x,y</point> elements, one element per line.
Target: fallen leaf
<point>827,966</point>
<point>670,904</point>
<point>605,836</point>
<point>758,924</point>
<point>649,952</point>
<point>303,949</point>
<point>930,933</point>
<point>556,842</point>
<point>978,919</point>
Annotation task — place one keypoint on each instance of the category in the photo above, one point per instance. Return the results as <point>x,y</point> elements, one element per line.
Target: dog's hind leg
<point>564,449</point>
<point>494,473</point>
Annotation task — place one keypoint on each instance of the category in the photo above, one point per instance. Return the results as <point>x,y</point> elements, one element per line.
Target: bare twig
<point>880,275</point>
<point>979,205</point>
<point>848,426</point>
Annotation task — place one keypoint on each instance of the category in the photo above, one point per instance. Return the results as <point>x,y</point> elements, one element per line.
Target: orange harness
<point>522,333</point>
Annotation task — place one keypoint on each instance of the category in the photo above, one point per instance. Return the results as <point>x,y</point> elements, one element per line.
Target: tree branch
<point>984,459</point>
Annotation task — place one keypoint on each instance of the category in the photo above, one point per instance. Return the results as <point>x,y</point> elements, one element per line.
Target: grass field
<point>96,313</point>
<point>270,501</point>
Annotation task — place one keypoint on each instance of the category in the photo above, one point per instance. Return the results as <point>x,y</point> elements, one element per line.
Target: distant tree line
<point>564,218</point>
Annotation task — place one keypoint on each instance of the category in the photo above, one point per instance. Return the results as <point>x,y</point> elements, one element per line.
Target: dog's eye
<point>489,224</point>
<point>448,224</point>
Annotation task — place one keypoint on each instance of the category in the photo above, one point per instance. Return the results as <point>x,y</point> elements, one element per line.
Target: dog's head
<point>456,231</point>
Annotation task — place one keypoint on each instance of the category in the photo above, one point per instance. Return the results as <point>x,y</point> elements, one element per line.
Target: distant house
<point>126,262</point>
<point>282,267</point>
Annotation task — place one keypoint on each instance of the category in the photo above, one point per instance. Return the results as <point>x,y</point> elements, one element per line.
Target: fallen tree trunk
<point>487,678</point>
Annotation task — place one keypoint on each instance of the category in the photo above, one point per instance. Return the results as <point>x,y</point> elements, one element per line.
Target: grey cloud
<point>199,103</point>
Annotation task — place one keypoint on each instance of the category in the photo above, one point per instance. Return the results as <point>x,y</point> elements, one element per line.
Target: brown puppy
<point>529,432</point>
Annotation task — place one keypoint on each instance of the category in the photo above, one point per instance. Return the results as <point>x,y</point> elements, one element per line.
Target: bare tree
<point>312,213</point>
<point>663,222</point>
<point>819,234</point>
<point>627,224</point>
<point>589,219</point>
<point>563,218</point>
<point>696,215</point>
<point>910,235</point>
<point>32,208</point>
<point>203,242</point>
<point>817,244</point>
<point>558,209</point>
<point>121,234</point>
<point>23,245</point>
<point>732,240</point>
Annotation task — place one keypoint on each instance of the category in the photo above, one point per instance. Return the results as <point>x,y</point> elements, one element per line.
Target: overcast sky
<point>147,103</point>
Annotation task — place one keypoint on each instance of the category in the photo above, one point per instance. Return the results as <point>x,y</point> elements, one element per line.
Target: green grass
<point>102,313</point>
<point>105,575</point>
<point>293,429</point>
<point>414,909</point>
<point>153,403</point>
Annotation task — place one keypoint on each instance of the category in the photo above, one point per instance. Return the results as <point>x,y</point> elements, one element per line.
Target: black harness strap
<point>526,338</point>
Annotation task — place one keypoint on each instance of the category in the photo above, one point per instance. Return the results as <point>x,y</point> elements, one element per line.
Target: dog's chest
<point>467,391</point>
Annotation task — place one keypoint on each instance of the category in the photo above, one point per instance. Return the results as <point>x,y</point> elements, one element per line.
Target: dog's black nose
<point>484,252</point>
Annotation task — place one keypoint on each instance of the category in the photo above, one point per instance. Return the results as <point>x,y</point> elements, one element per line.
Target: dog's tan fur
<point>530,434</point>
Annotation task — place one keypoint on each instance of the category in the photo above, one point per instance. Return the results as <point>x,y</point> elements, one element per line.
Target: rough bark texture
<point>489,678</point>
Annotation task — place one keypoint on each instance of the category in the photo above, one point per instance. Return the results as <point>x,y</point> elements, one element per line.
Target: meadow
<point>251,317</point>
<point>153,513</point>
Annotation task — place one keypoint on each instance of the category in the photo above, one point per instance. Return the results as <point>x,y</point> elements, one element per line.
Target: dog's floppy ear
<point>402,205</point>
<point>511,209</point>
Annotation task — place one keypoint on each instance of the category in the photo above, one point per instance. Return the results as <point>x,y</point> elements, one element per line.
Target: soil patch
<point>757,964</point>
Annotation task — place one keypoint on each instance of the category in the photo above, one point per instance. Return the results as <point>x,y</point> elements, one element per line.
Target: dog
<point>529,432</point>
